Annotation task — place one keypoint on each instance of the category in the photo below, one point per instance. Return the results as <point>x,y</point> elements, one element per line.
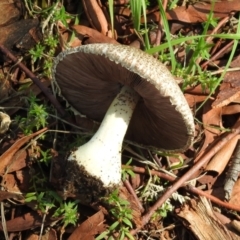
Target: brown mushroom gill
<point>91,89</point>
<point>91,76</point>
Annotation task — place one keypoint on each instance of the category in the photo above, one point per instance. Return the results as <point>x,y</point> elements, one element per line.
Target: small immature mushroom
<point>130,93</point>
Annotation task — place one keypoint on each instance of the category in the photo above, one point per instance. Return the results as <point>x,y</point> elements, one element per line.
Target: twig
<point>44,89</point>
<point>188,187</point>
<point>187,176</point>
<point>131,190</point>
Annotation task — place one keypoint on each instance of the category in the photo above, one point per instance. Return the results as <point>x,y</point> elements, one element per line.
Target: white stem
<point>101,156</point>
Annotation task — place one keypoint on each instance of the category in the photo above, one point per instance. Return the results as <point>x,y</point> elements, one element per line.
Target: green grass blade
<point>111,13</point>
<point>184,39</point>
<point>144,13</point>
<point>136,13</point>
<point>168,37</point>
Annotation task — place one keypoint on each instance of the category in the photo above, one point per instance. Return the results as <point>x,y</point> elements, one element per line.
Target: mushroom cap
<point>90,76</point>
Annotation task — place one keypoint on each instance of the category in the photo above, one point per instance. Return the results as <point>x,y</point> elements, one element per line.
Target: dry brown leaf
<point>89,228</point>
<point>20,159</point>
<point>49,235</point>
<point>212,121</point>
<point>5,195</point>
<point>222,157</point>
<point>96,16</point>
<point>14,33</point>
<point>121,2</point>
<point>218,163</point>
<point>24,222</point>
<point>199,11</point>
<point>23,178</point>
<point>230,86</point>
<point>66,37</point>
<point>91,35</point>
<point>7,157</point>
<point>194,99</point>
<point>10,184</point>
<point>9,12</point>
<point>197,90</point>
<point>229,90</point>
<point>231,109</point>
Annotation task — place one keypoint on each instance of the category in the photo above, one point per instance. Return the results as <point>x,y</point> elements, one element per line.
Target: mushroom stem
<point>101,156</point>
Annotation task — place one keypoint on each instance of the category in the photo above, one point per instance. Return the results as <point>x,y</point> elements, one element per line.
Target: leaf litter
<point>215,124</point>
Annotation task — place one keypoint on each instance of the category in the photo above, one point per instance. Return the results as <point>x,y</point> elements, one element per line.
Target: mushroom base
<point>88,189</point>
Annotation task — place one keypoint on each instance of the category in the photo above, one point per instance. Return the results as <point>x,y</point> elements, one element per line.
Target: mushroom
<point>130,93</point>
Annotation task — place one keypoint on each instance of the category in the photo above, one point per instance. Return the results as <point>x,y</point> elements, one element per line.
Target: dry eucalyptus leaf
<point>229,90</point>
<point>7,158</point>
<point>212,122</point>
<point>199,11</point>
<point>222,157</point>
<point>89,228</point>
<point>218,163</point>
<point>10,11</point>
